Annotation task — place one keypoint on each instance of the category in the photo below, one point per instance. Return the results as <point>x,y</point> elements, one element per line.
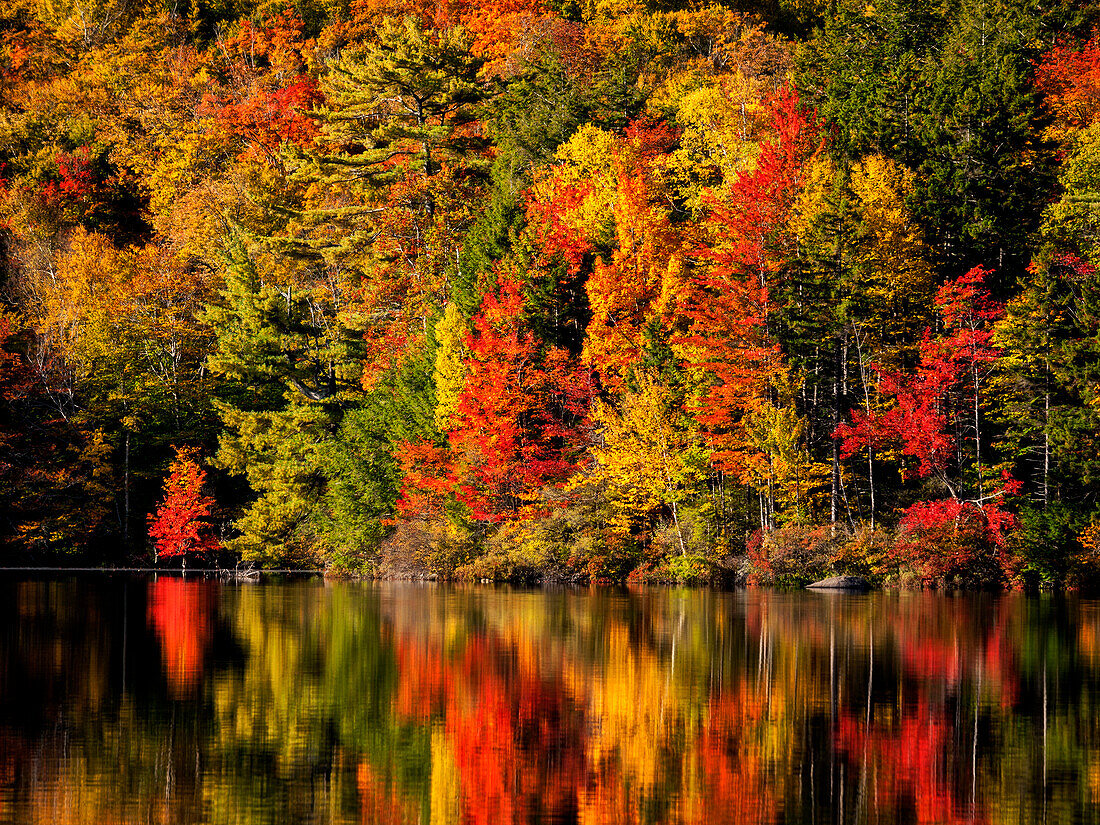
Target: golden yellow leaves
<point>646,454</point>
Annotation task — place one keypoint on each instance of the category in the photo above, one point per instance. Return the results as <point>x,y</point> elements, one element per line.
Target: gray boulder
<point>841,583</point>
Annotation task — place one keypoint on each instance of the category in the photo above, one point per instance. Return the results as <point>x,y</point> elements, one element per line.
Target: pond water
<point>126,700</point>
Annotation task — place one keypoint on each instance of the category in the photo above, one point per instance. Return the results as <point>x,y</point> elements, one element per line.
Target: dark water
<point>126,700</point>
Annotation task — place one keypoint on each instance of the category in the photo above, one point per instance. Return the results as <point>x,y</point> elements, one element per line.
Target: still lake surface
<point>133,700</point>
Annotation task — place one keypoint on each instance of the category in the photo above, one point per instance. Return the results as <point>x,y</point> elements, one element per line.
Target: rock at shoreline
<point>841,583</point>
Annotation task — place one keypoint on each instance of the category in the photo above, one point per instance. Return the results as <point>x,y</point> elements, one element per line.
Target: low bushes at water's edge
<point>957,550</point>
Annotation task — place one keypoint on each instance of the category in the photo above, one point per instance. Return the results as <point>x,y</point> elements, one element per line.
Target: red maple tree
<point>936,411</point>
<point>179,526</point>
<point>1070,80</point>
<point>521,421</point>
<point>728,301</point>
<point>942,396</point>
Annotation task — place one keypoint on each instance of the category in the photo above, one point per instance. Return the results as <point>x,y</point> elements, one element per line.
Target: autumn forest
<point>580,290</point>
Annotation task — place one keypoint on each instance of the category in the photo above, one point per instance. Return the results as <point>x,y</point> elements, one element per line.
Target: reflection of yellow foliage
<point>446,788</point>
<point>640,708</point>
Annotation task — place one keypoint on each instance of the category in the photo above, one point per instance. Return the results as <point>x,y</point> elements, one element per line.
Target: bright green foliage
<point>361,487</point>
<point>277,452</point>
<point>290,375</point>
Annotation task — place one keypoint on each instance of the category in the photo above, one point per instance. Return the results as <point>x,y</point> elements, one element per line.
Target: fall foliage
<point>179,526</point>
<point>575,287</point>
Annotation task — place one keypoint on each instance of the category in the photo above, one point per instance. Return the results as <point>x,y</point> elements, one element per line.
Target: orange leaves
<point>123,314</point>
<point>426,470</point>
<point>266,119</point>
<point>1070,78</point>
<point>266,96</point>
<point>636,287</point>
<point>603,186</point>
<point>521,417</point>
<point>519,423</point>
<point>179,526</point>
<point>754,208</point>
<point>729,301</point>
<point>496,25</point>
<point>277,46</point>
<point>493,26</point>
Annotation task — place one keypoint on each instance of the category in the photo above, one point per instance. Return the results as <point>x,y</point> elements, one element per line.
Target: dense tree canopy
<point>570,287</point>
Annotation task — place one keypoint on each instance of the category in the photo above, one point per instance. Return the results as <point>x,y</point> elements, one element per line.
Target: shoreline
<point>865,587</point>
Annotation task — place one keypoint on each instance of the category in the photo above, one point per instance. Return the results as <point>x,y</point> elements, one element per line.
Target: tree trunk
<point>126,493</point>
<point>978,439</point>
<point>1046,448</point>
<point>834,498</point>
<point>867,411</point>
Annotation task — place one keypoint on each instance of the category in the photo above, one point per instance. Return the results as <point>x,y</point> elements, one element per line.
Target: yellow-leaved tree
<point>648,455</point>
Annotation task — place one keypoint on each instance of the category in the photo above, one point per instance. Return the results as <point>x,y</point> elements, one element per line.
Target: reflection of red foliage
<point>912,762</point>
<point>425,681</point>
<point>515,737</point>
<point>182,615</point>
<point>379,803</point>
<point>940,654</point>
<point>734,778</point>
<point>933,659</point>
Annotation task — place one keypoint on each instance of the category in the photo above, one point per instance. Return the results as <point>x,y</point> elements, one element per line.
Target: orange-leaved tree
<point>730,344</point>
<point>180,527</point>
<point>521,420</point>
<point>632,290</point>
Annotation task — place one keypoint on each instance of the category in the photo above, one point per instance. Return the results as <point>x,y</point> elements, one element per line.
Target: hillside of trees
<point>583,289</point>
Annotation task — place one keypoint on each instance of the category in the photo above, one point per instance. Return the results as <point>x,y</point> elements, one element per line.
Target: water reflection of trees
<point>192,702</point>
